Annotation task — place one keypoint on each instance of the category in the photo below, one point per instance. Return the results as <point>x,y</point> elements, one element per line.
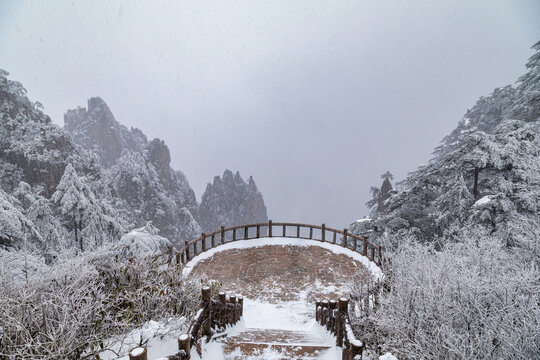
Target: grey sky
<point>315,99</point>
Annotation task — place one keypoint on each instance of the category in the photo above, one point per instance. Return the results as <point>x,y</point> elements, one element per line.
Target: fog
<point>314,99</point>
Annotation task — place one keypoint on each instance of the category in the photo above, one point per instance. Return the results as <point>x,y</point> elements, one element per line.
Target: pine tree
<point>528,98</point>
<point>380,195</point>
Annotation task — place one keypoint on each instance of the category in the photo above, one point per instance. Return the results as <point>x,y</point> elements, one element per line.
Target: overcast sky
<point>315,99</point>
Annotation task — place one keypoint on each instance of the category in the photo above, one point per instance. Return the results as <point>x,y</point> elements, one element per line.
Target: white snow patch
<point>363,220</point>
<point>279,241</point>
<point>142,242</point>
<point>387,356</point>
<point>162,340</point>
<point>483,200</point>
<point>137,351</point>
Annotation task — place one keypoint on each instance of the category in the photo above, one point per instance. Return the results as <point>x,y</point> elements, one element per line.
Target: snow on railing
<point>334,316</point>
<point>207,241</point>
<point>213,316</point>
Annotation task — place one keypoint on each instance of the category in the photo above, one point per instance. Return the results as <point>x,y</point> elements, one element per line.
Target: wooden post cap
<point>222,296</point>
<point>332,304</point>
<point>138,353</point>
<point>324,303</point>
<point>206,293</point>
<point>343,304</point>
<point>357,347</point>
<point>183,344</point>
<point>232,298</point>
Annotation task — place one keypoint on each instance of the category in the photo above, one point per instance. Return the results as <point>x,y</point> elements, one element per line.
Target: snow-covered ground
<point>289,316</point>
<point>161,340</point>
<point>293,316</point>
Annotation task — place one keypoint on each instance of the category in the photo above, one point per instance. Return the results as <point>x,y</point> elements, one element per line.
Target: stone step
<point>251,343</point>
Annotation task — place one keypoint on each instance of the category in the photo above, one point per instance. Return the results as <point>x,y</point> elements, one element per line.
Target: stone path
<point>275,273</point>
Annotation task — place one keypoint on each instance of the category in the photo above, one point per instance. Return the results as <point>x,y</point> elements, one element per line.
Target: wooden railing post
<point>269,228</point>
<point>318,311</point>
<point>297,231</point>
<point>232,300</point>
<point>138,353</point>
<point>346,350</point>
<point>311,232</point>
<point>355,243</point>
<point>240,306</point>
<point>345,238</point>
<point>246,233</point>
<point>203,242</point>
<point>334,238</point>
<point>223,308</point>
<point>258,231</point>
<point>187,251</point>
<point>234,235</point>
<point>332,305</point>
<point>323,232</point>
<point>184,345</point>
<point>372,253</point>
<point>365,247</point>
<point>284,231</point>
<point>207,303</point>
<point>324,312</point>
<point>223,235</point>
<point>343,309</point>
<point>213,240</point>
<point>357,348</point>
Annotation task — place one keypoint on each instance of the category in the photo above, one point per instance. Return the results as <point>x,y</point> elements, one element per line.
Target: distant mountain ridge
<point>93,180</point>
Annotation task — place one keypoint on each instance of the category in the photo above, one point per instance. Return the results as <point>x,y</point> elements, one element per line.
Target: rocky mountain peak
<point>97,130</point>
<point>231,201</point>
<point>160,157</point>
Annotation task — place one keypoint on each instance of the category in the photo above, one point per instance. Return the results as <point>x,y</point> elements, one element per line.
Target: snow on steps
<point>283,344</point>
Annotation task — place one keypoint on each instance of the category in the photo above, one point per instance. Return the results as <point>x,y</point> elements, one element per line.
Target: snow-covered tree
<point>379,195</point>
<point>471,299</point>
<point>16,229</point>
<point>486,172</point>
<point>83,214</point>
<point>528,103</point>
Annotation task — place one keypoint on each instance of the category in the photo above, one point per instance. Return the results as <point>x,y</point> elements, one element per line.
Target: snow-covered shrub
<point>142,242</point>
<point>79,306</point>
<point>472,299</point>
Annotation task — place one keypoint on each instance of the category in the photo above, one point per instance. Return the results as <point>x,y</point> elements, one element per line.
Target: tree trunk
<point>80,237</point>
<point>76,230</point>
<point>475,186</point>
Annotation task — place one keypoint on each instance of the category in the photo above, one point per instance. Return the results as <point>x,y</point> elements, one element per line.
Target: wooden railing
<point>322,233</point>
<point>334,315</point>
<point>213,316</point>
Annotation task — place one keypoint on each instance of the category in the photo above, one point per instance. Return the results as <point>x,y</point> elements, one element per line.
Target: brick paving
<point>276,273</point>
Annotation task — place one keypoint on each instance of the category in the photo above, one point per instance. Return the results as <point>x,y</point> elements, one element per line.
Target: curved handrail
<point>267,230</point>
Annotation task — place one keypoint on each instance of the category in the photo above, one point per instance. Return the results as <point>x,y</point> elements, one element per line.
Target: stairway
<point>274,344</point>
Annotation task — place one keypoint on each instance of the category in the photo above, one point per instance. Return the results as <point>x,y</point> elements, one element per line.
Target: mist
<point>314,99</point>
